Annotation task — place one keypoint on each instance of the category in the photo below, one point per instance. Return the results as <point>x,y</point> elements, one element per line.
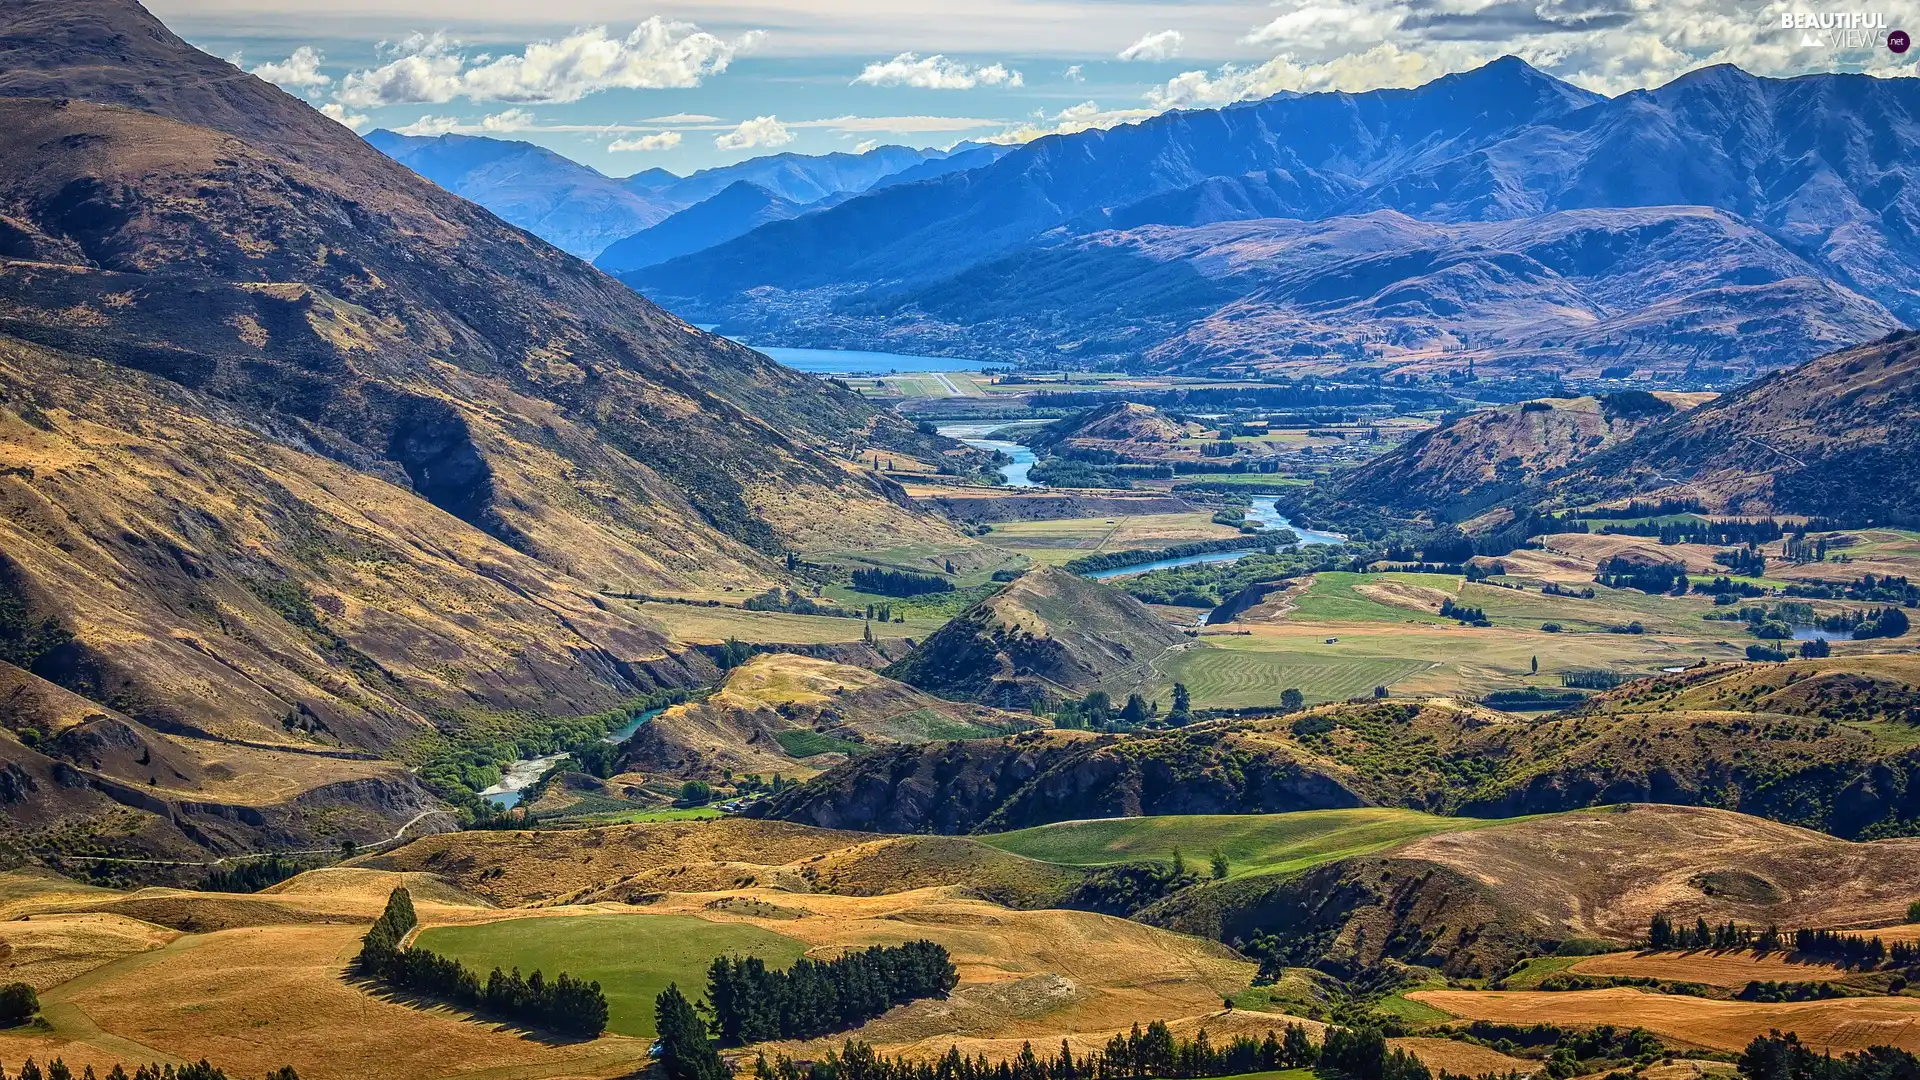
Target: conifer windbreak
<point>752,1003</point>
<point>563,1004</point>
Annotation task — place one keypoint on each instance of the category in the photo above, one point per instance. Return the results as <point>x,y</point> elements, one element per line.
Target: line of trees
<point>57,1069</point>
<point>751,1002</point>
<point>563,1004</point>
<point>899,583</point>
<point>1153,1052</point>
<point>1853,950</point>
<point>1782,1057</point>
<point>1622,573</point>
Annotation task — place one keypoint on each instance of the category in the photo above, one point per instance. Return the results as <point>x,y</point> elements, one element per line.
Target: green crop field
<point>805,744</point>
<point>633,957</point>
<point>1226,677</point>
<point>1253,843</point>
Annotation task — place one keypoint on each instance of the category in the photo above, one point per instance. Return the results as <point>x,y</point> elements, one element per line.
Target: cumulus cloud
<point>1164,45</point>
<point>659,140</point>
<point>935,72</point>
<point>340,115</point>
<point>1074,74</point>
<point>1384,65</point>
<point>757,132</point>
<point>1085,116</point>
<point>431,126</point>
<point>511,120</point>
<point>301,71</point>
<point>658,55</point>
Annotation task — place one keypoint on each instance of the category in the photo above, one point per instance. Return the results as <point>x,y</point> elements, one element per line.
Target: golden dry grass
<point>1729,969</point>
<point>1840,1025</point>
<point>44,951</point>
<point>1463,1059</point>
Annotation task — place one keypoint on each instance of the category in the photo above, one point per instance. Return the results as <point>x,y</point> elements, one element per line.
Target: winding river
<point>1263,512</point>
<point>517,776</point>
<point>974,435</point>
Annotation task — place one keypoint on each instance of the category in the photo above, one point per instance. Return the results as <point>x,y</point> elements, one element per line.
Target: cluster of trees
<point>565,1004</point>
<point>1471,616</point>
<point>57,1069</point>
<point>779,599</point>
<point>1096,712</point>
<point>1775,992</point>
<point>1744,561</point>
<point>18,1003</point>
<point>1591,680</point>
<point>1888,622</point>
<point>1782,1057</point>
<point>1852,950</point>
<point>899,583</point>
<point>751,1002</point>
<point>1154,1052</point>
<point>1889,589</point>
<point>252,875</point>
<point>1727,588</point>
<point>1699,531</point>
<point>1363,1054</point>
<point>1623,573</point>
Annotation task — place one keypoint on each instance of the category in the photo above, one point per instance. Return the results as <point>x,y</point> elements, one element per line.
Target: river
<point>1263,511</point>
<point>974,435</point>
<point>517,776</point>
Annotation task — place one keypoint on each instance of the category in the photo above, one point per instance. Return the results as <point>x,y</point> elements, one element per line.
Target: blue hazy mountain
<point>801,178</point>
<point>739,208</point>
<point>557,199</point>
<point>1815,241</point>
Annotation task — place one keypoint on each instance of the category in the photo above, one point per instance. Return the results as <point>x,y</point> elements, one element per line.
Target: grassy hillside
<point>1047,636</point>
<point>1254,844</point>
<point>796,715</point>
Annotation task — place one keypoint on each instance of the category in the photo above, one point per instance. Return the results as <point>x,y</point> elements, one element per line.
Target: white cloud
<point>511,120</point>
<point>431,126</point>
<point>657,55</point>
<point>757,132</point>
<point>659,140</point>
<point>1074,74</point>
<point>301,71</point>
<point>682,118</point>
<point>865,145</point>
<point>340,115</point>
<point>1085,116</point>
<point>936,72</point>
<point>1163,45</point>
<point>1386,64</point>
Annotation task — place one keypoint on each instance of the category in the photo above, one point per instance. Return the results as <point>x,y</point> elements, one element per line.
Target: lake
<point>974,435</point>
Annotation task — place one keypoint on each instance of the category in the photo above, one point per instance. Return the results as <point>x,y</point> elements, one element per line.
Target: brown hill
<point>1473,901</point>
<point>1049,635</point>
<point>1829,437</point>
<point>298,451</point>
<point>1120,422</point>
<point>789,714</point>
<point>1457,469</point>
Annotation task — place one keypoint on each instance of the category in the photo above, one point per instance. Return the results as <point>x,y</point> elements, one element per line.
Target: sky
<point>626,85</point>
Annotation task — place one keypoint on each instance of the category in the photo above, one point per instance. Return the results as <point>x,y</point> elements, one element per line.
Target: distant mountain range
<point>584,212</point>
<point>1716,226</point>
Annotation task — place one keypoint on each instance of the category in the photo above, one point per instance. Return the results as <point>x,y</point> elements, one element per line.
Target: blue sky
<point>628,86</point>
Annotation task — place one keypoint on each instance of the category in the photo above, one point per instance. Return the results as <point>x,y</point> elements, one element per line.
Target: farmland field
<point>1253,843</point>
<point>633,957</point>
<point>711,625</point>
<point>1225,676</point>
<point>1058,540</point>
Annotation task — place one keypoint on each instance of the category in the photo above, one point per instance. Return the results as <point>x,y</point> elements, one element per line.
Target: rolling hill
<point>782,713</point>
<point>1050,634</point>
<point>1736,737</point>
<point>1497,211</point>
<point>301,453</point>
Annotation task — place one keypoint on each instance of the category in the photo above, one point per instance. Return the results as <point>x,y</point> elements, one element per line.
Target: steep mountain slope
<point>738,209</point>
<point>781,713</point>
<point>1831,437</point>
<point>1723,219</point>
<point>1332,145</point>
<point>299,451</point>
<point>565,203</point>
<point>1051,634</point>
